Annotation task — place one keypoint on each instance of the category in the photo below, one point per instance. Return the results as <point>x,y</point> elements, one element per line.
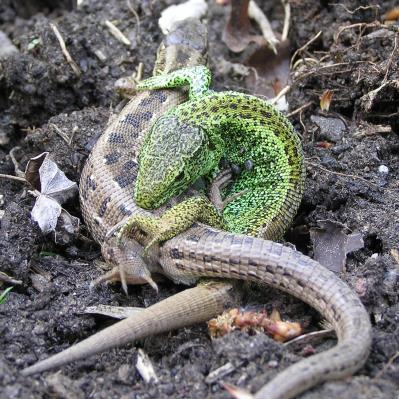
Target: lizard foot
<point>173,222</point>
<point>128,265</point>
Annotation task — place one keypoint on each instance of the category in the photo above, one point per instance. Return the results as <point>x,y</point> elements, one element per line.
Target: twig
<point>222,371</point>
<point>60,132</point>
<point>360,25</point>
<point>116,33</point>
<point>5,278</point>
<point>287,19</point>
<point>384,369</point>
<point>64,50</point>
<point>14,161</point>
<point>16,178</point>
<point>257,14</point>
<point>295,111</point>
<point>305,46</point>
<point>304,75</point>
<point>310,336</point>
<point>364,8</point>
<point>138,26</point>
<point>348,175</point>
<point>282,92</point>
<point>390,60</point>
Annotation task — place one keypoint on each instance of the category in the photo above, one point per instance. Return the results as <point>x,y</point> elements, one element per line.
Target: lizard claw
<point>129,267</point>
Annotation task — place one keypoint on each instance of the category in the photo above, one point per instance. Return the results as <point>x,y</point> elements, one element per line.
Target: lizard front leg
<point>173,222</point>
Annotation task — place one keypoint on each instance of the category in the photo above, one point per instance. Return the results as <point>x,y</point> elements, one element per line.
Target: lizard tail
<point>191,306</point>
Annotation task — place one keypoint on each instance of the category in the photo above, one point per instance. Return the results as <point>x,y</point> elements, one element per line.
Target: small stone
<point>331,129</point>
<point>382,169</point>
<point>39,329</point>
<point>168,389</point>
<point>273,364</point>
<point>374,256</point>
<point>125,373</point>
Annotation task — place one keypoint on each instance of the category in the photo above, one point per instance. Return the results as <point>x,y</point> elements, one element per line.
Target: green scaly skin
<point>189,141</point>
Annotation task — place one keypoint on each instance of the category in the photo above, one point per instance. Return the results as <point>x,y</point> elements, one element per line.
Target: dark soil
<point>40,96</point>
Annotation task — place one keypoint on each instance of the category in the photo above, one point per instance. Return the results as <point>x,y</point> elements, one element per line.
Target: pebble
<point>273,364</point>
<point>382,169</point>
<point>331,129</point>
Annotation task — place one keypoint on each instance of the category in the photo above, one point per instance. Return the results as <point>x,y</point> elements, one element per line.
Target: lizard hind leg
<point>128,266</point>
<point>198,78</point>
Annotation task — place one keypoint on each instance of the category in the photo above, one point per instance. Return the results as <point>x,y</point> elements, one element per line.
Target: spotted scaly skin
<point>188,142</point>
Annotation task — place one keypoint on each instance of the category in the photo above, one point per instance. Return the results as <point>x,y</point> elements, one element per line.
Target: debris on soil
<point>331,244</point>
<point>330,128</point>
<point>249,321</point>
<point>53,189</point>
<point>325,100</point>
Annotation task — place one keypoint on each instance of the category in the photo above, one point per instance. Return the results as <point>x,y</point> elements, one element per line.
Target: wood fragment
<point>65,51</point>
<point>116,33</point>
<point>145,368</point>
<point>221,372</point>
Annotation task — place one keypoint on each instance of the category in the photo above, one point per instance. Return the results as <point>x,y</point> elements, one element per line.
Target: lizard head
<point>173,155</point>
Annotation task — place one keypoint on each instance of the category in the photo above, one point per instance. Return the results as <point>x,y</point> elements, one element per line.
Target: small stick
<point>390,60</point>
<point>287,18</point>
<point>9,280</point>
<point>282,92</point>
<point>310,336</point>
<point>385,368</point>
<point>64,50</point>
<point>134,12</point>
<point>295,111</point>
<point>116,33</point>
<point>14,161</point>
<point>257,14</point>
<point>11,177</point>
<point>305,46</point>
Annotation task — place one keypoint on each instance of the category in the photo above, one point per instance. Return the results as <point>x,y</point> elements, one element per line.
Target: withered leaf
<point>55,188</point>
<point>331,244</point>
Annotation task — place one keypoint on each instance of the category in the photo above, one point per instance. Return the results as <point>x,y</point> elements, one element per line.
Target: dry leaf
<point>325,100</point>
<point>270,72</point>
<point>55,188</point>
<point>331,244</point>
<point>237,32</point>
<point>392,14</point>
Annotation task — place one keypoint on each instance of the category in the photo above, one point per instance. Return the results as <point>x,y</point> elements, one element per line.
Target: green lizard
<point>188,142</point>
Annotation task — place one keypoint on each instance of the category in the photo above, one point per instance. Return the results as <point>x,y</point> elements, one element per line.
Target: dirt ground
<point>352,178</point>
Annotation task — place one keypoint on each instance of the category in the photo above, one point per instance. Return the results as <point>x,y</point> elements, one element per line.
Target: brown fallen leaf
<point>392,14</point>
<point>325,100</point>
<point>237,32</point>
<point>269,72</point>
<point>331,244</point>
